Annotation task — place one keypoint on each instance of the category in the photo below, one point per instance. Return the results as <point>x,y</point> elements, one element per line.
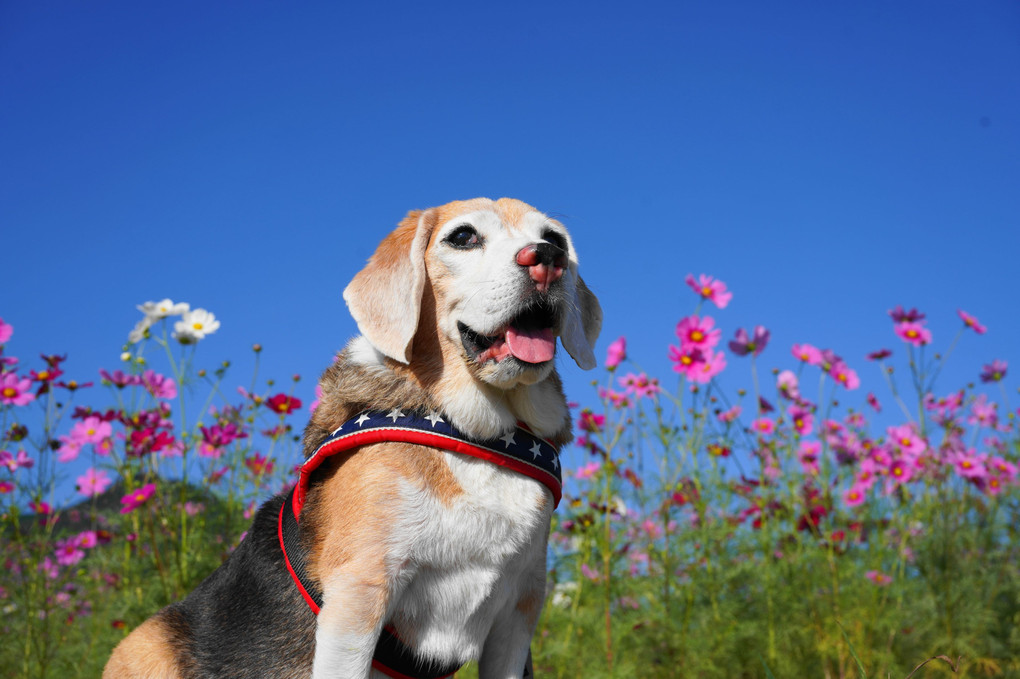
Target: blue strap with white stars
<point>519,449</point>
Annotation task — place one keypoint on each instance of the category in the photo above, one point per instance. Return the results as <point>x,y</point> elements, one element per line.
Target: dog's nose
<point>545,263</point>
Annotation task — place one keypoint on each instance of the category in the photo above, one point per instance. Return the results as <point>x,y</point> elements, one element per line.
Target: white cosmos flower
<point>195,325</point>
<point>163,308</point>
<point>138,333</point>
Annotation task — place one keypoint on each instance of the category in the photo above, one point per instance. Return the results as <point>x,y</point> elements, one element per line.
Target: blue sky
<point>826,160</point>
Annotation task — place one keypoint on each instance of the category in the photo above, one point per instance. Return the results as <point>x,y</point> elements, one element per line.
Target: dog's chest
<point>470,560</point>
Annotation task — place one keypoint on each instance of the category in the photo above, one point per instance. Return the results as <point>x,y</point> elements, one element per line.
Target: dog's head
<point>498,281</point>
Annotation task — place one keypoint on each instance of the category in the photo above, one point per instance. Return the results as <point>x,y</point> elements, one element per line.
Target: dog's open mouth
<point>529,337</point>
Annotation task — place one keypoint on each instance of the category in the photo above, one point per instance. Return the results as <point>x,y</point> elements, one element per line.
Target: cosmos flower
<point>158,385</point>
<point>807,353</point>
<point>15,391</point>
<point>913,333</point>
<point>194,326</point>
<point>971,322</point>
<point>137,498</point>
<point>994,371</point>
<point>6,330</point>
<point>900,316</point>
<point>163,308</point>
<point>283,404</point>
<point>93,482</point>
<point>698,333</point>
<point>710,289</point>
<point>742,345</point>
<point>616,353</point>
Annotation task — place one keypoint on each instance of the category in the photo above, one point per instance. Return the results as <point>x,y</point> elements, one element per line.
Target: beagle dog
<point>459,310</point>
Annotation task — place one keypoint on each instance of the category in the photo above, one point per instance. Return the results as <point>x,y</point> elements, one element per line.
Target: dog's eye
<point>464,236</point>
<point>556,239</point>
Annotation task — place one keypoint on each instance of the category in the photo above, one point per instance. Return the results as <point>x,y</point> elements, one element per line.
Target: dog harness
<point>519,450</point>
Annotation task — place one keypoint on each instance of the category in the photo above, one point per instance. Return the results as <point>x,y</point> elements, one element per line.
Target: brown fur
<point>146,653</point>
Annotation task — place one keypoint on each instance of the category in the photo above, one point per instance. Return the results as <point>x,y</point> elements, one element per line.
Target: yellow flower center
<point>91,432</point>
<point>966,464</point>
<point>911,333</point>
<point>44,375</point>
<point>10,392</point>
<point>697,335</point>
<point>196,326</point>
<point>706,291</point>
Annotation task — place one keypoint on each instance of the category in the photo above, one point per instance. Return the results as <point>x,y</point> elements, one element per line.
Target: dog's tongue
<point>531,346</point>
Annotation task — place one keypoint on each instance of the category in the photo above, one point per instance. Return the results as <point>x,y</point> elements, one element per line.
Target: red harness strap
<point>519,450</point>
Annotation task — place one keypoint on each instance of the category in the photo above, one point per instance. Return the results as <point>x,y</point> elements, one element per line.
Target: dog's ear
<point>581,326</point>
<point>385,296</point>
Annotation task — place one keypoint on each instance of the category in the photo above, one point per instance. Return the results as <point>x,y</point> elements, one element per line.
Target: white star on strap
<point>536,450</point>
<point>556,462</point>
<point>394,414</point>
<point>508,440</point>
<point>363,418</point>
<point>433,418</point>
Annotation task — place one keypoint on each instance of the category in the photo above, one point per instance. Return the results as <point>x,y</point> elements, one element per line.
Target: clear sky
<point>828,161</point>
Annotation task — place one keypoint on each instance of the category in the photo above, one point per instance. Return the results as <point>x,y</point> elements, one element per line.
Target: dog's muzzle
<point>529,337</point>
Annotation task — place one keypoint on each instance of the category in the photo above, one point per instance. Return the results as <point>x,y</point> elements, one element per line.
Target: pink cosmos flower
<point>842,373</point>
<point>879,578</point>
<point>807,353</point>
<point>900,471</point>
<point>587,471</point>
<point>879,355</point>
<point>93,482</point>
<point>788,385</point>
<point>91,430</point>
<point>803,420</point>
<point>994,371</point>
<point>119,379</point>
<point>158,385</point>
<point>616,353</point>
<point>69,449</point>
<point>742,344</point>
<point>640,385</point>
<point>685,360</point>
<point>873,402</point>
<point>710,289</point>
<point>697,332</point>
<point>14,391</point>
<point>68,552</point>
<point>222,435</point>
<point>913,333</point>
<point>730,415</point>
<point>590,573</point>
<point>968,464</point>
<point>1003,468</point>
<point>619,399</point>
<point>137,498</point>
<point>763,425</point>
<point>258,464</point>
<point>971,322</point>
<point>6,487</point>
<point>854,496</point>
<point>867,473</point>
<point>983,413</point>
<point>712,365</point>
<point>87,539</point>
<point>6,330</point>
<point>318,398</point>
<point>16,461</point>
<point>906,439</point>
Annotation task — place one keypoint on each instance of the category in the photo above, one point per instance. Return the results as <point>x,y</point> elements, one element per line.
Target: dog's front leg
<point>349,625</point>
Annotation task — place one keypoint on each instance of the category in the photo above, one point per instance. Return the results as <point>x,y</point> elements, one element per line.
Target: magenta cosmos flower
<point>616,353</point>
<point>91,430</point>
<point>93,482</point>
<point>137,498</point>
<point>802,419</point>
<point>640,385</point>
<point>807,353</point>
<point>971,322</point>
<point>906,439</point>
<point>900,316</point>
<point>6,330</point>
<point>697,332</point>
<point>842,373</point>
<point>742,345</point>
<point>158,385</point>
<point>914,333</point>
<point>994,371</point>
<point>855,496</point>
<point>710,289</point>
<point>14,391</point>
